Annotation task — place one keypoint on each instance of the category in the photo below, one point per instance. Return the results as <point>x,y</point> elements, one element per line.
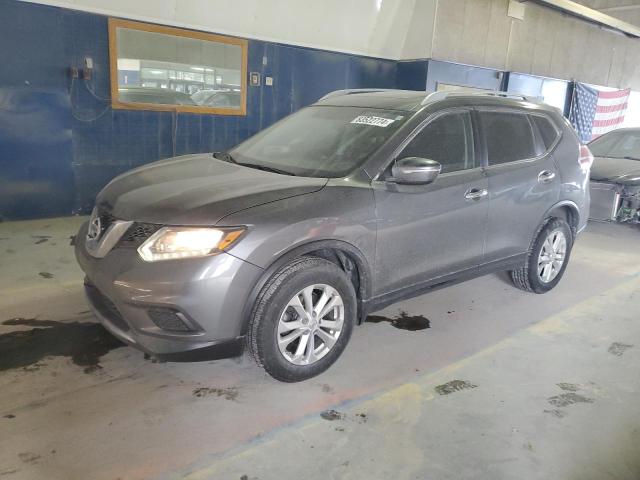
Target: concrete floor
<point>503,384</point>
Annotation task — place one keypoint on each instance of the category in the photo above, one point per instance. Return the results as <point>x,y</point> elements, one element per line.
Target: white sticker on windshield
<point>375,121</point>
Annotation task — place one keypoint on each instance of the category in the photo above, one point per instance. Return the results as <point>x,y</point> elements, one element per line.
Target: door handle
<point>546,176</point>
<point>476,194</point>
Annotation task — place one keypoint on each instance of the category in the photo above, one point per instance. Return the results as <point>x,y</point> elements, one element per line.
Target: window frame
<point>538,143</point>
<point>116,104</point>
<point>559,132</point>
<point>417,130</point>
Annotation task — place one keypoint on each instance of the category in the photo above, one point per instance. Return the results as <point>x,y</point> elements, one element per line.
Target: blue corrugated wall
<point>60,141</point>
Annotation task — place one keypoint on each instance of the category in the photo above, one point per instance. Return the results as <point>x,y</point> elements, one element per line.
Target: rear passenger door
<point>524,181</point>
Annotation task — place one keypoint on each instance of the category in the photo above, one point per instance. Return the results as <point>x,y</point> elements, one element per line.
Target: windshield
<point>618,144</point>
<point>320,141</point>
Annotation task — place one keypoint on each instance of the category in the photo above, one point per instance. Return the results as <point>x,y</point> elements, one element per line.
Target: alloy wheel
<point>310,324</point>
<point>552,256</point>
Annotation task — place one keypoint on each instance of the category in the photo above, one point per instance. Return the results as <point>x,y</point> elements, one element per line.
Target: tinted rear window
<point>547,130</point>
<point>509,137</point>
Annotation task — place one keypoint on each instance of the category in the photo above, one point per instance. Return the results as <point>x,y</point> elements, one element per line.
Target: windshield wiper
<point>224,156</point>
<point>265,168</point>
<point>628,157</point>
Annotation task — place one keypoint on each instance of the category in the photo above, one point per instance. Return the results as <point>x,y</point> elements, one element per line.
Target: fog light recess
<point>169,319</point>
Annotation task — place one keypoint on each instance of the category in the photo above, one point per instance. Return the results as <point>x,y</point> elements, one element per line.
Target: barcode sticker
<point>375,121</point>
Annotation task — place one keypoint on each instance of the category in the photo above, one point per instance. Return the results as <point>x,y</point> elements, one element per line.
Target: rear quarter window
<point>509,137</point>
<point>547,129</point>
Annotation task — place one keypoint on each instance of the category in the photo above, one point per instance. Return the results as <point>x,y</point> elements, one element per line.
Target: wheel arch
<point>565,210</point>
<point>348,257</point>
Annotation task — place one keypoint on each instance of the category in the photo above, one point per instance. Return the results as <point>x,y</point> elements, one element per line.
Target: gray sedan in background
<point>286,242</point>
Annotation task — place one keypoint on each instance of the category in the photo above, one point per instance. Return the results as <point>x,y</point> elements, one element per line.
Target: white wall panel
<point>367,27</point>
<point>418,42</point>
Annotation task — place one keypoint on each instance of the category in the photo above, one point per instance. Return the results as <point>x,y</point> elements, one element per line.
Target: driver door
<point>429,231</point>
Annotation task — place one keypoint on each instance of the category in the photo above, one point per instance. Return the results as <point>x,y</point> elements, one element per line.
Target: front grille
<point>106,307</point>
<point>137,234</point>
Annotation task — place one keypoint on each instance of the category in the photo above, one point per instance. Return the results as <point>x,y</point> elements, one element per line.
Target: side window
<point>509,137</point>
<point>547,130</point>
<point>448,139</point>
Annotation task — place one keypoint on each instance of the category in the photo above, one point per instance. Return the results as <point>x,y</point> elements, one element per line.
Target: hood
<point>197,190</point>
<point>616,170</point>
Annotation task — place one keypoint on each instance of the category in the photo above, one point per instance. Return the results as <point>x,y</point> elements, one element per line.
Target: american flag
<point>595,112</point>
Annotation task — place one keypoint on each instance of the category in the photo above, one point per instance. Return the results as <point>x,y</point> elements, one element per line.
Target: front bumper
<point>209,294</point>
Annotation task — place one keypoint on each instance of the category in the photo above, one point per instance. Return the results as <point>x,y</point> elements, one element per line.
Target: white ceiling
<point>627,10</point>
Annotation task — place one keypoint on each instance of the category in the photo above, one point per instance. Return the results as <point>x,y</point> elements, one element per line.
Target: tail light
<point>586,158</point>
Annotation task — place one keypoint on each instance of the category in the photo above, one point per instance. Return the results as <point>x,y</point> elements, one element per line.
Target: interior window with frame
<point>154,67</point>
<point>447,139</point>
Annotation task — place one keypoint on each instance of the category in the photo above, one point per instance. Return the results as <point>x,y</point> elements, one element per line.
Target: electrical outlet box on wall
<point>516,9</point>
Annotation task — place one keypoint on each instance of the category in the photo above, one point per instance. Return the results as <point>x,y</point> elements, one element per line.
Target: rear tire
<point>285,336</point>
<point>547,260</point>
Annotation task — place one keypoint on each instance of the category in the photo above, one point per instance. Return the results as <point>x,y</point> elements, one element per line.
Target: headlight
<point>170,243</point>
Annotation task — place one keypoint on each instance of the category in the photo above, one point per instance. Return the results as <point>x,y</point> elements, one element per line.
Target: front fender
<point>336,218</point>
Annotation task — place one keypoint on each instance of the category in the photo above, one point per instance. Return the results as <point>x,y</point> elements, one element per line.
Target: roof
<point>411,100</point>
<point>405,100</point>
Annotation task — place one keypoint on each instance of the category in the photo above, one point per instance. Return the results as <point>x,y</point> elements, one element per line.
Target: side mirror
<point>415,171</point>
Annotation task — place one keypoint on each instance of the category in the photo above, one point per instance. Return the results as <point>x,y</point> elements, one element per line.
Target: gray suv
<point>286,242</point>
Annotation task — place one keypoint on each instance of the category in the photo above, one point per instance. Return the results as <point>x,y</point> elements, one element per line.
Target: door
<point>524,182</point>
<point>428,231</point>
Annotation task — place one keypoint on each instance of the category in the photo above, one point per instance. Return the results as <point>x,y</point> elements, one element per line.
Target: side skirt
<point>386,299</point>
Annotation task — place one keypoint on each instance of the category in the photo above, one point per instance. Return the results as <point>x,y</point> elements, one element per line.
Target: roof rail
<point>437,96</point>
<point>349,91</point>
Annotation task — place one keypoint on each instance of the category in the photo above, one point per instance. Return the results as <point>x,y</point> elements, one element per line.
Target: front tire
<point>546,262</point>
<point>302,320</point>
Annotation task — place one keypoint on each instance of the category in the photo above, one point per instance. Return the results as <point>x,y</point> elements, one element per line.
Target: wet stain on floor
<point>556,413</point>
<point>454,386</point>
<point>29,458</point>
<point>403,321</point>
<point>85,343</point>
<point>226,393</point>
<point>568,387</point>
<point>361,417</point>
<point>331,415</point>
<point>618,349</point>
<point>566,399</point>
<point>31,322</point>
